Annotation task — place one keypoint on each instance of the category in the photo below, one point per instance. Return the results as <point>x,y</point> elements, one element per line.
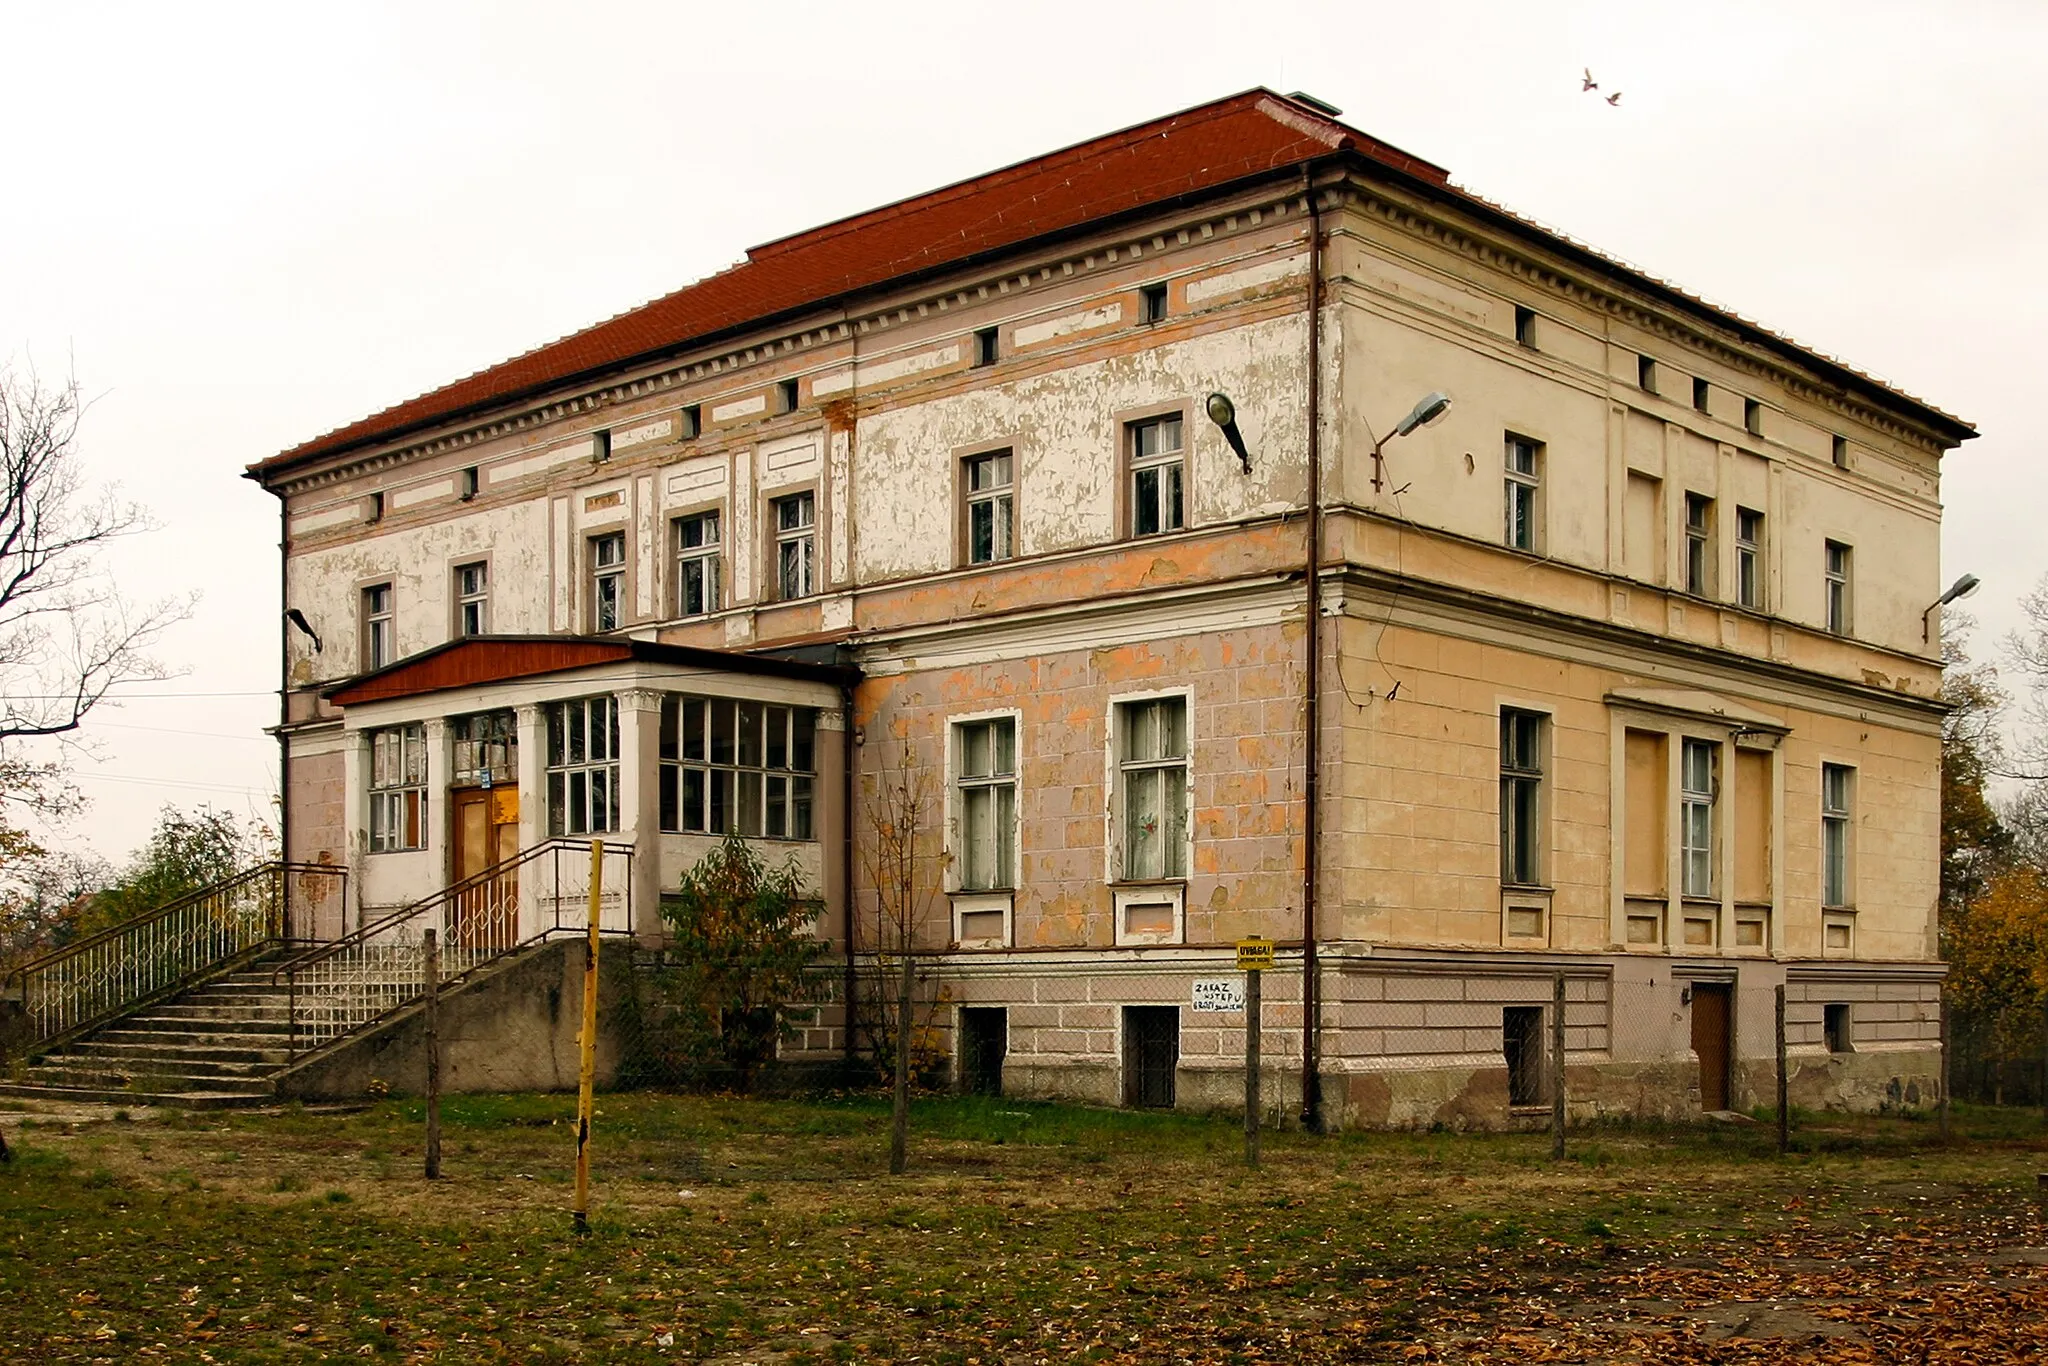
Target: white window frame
<point>1170,465</point>
<point>398,789</point>
<point>1521,488</point>
<point>1121,707</point>
<point>796,545</point>
<point>583,790</point>
<point>1838,606</point>
<point>961,786</point>
<point>1699,820</point>
<point>1749,558</point>
<point>699,561</point>
<point>1515,776</point>
<point>380,625</point>
<point>607,582</point>
<point>1699,545</point>
<point>1837,837</point>
<point>473,598</point>
<point>752,791</point>
<point>998,501</point>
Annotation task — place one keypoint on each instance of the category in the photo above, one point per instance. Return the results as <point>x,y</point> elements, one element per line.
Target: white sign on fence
<point>1220,995</point>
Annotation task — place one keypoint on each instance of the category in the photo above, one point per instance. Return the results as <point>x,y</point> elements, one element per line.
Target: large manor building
<point>1243,530</point>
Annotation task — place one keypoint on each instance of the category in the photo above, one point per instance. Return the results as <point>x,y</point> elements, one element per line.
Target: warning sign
<point>1219,995</point>
<point>1254,955</point>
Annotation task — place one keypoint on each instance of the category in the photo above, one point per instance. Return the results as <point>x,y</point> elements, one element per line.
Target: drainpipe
<point>284,683</point>
<point>1311,994</point>
<point>846,873</point>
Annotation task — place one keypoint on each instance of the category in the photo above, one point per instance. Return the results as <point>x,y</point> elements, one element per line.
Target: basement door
<point>1711,1018</point>
<point>1151,1055</point>
<point>486,832</point>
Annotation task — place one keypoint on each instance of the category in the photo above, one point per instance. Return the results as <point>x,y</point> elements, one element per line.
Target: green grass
<point>751,1230</point>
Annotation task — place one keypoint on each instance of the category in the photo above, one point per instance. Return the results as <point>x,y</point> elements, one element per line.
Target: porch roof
<point>479,660</point>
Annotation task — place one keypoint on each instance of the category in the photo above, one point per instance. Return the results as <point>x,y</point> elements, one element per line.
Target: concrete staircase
<point>215,1046</point>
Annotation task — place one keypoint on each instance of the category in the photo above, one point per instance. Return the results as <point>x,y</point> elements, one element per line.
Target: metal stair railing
<point>540,893</point>
<point>127,966</point>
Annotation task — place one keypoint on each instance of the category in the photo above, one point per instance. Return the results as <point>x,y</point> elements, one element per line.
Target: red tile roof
<point>1239,138</point>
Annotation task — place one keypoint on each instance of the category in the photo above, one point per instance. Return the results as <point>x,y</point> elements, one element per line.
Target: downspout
<point>1311,993</point>
<point>284,683</point>
<point>852,982</point>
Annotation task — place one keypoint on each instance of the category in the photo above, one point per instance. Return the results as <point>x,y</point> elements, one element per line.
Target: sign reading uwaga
<point>1254,955</point>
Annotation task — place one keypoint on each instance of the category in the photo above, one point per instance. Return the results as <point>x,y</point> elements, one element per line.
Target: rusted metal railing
<point>537,894</point>
<point>120,969</point>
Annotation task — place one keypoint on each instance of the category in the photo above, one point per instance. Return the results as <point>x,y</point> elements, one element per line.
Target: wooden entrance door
<point>1711,1037</point>
<point>486,832</point>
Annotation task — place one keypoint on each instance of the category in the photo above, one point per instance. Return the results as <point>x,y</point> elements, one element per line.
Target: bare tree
<point>67,636</point>
<point>903,858</point>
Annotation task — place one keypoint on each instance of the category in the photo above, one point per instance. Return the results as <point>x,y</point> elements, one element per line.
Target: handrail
<point>337,988</point>
<point>165,949</point>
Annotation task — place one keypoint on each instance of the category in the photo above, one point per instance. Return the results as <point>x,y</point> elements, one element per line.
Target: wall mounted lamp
<point>298,619</point>
<point>1223,413</point>
<point>1431,407</point>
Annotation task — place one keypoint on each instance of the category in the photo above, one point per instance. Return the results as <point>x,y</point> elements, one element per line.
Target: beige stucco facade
<point>1653,422</point>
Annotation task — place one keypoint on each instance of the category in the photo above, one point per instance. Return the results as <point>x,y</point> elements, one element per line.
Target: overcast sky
<point>241,226</point>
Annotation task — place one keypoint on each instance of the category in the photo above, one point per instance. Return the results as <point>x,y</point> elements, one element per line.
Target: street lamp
<point>1431,407</point>
<point>1961,588</point>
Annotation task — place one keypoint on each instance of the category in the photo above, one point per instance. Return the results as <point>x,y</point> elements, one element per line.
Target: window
<point>398,789</point>
<point>469,484</point>
<point>1520,494</point>
<point>472,599</point>
<point>1152,299</point>
<point>1835,1027</point>
<point>1753,417</point>
<point>796,545</point>
<point>785,396</point>
<point>373,507</point>
<point>1699,544</point>
<point>1646,374</point>
<point>990,509</point>
<point>1522,1048</point>
<point>583,766</point>
<point>1835,569</point>
<point>607,581</point>
<point>697,590</point>
<point>1836,784</point>
<point>1153,769</point>
<point>1749,558</point>
<point>380,633</point>
<point>1698,789</point>
<point>737,768</point>
<point>1521,798</point>
<point>1840,454</point>
<point>486,749</point>
<point>985,775</point>
<point>600,446</point>
<point>692,421</point>
<point>1525,326</point>
<point>1156,482</point>
<point>1700,390</point>
<point>985,346</point>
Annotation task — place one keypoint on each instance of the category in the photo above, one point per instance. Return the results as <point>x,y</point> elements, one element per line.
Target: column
<point>354,818</point>
<point>640,802</point>
<point>440,771</point>
<point>533,804</point>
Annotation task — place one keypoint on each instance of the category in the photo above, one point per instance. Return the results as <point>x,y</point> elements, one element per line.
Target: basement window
<point>1835,1025</point>
<point>1152,300</point>
<point>1522,1047</point>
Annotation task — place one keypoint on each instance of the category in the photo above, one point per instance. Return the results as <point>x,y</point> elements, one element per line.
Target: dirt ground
<point>742,1231</point>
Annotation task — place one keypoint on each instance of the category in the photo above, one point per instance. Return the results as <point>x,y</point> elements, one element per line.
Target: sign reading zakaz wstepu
<point>1219,995</point>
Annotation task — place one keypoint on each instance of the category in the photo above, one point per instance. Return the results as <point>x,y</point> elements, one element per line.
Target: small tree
<point>903,859</point>
<point>741,945</point>
<point>186,852</point>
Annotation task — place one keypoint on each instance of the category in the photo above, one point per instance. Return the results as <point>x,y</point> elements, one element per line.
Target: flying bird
<point>1615,98</point>
<point>1590,84</point>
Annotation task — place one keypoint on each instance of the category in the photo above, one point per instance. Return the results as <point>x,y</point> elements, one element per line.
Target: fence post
<point>1557,1067</point>
<point>1943,1106</point>
<point>1251,1066</point>
<point>432,946</point>
<point>1784,1081</point>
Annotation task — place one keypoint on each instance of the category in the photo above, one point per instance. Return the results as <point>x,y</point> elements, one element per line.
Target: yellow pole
<point>587,1072</point>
